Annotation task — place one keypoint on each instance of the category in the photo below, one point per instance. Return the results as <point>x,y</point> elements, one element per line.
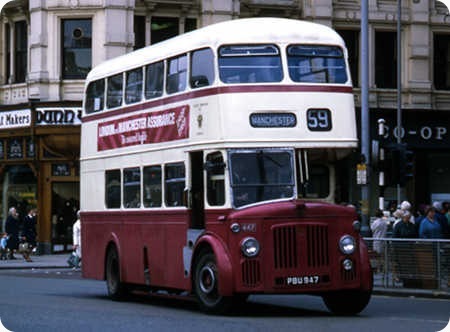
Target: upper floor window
<point>351,39</point>
<point>133,88</point>
<point>114,91</point>
<point>95,96</point>
<point>17,55</point>
<point>202,68</point>
<point>176,74</point>
<point>250,64</point>
<point>154,80</point>
<point>77,48</point>
<point>441,65</point>
<point>316,64</point>
<point>386,59</point>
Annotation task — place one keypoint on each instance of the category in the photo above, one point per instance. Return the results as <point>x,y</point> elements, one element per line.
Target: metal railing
<point>418,264</point>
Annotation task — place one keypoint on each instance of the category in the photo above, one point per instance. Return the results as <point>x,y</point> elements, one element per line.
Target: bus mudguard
<point>222,260</point>
<point>366,270</point>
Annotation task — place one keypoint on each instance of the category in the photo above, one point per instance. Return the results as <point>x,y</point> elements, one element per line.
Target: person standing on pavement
<point>77,237</point>
<point>379,229</point>
<point>442,219</point>
<point>12,228</point>
<point>29,233</point>
<point>430,227</point>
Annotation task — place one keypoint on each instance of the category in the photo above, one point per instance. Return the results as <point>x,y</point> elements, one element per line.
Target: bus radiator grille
<point>291,242</point>
<point>317,242</point>
<point>348,276</point>
<point>285,247</point>
<point>251,273</point>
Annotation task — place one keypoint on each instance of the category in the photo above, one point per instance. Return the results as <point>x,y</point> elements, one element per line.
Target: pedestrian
<point>405,206</point>
<point>12,227</point>
<point>29,233</point>
<point>430,228</point>
<point>379,229</point>
<point>398,215</point>
<point>77,239</point>
<point>442,219</point>
<point>3,246</point>
<point>404,251</point>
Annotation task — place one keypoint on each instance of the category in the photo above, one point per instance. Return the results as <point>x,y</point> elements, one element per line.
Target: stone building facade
<point>48,46</point>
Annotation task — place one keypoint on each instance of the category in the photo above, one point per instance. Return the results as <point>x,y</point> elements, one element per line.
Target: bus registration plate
<point>303,280</point>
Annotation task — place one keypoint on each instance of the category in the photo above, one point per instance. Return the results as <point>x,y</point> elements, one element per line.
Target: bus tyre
<point>117,290</point>
<point>206,281</point>
<point>347,302</point>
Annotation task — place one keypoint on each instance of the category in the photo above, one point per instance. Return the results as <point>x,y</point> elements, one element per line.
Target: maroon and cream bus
<point>208,167</point>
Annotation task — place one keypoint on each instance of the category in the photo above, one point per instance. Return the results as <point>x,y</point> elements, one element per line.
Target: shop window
<point>202,68</point>
<point>386,59</point>
<point>154,80</point>
<point>176,74</point>
<point>95,96</point>
<point>114,91</point>
<point>174,184</point>
<point>20,52</point>
<point>351,39</point>
<point>132,187</point>
<point>112,189</point>
<point>441,65</point>
<point>133,89</point>
<point>77,48</point>
<point>215,168</point>
<point>152,186</point>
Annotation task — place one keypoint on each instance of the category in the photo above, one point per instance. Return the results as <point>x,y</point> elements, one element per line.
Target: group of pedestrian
<point>431,222</point>
<point>20,235</point>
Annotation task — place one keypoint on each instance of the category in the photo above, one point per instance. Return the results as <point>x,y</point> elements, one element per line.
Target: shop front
<point>427,135</point>
<point>39,168</point>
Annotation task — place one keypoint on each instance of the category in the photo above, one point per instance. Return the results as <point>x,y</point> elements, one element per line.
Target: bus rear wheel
<point>347,303</point>
<point>206,286</point>
<point>117,290</point>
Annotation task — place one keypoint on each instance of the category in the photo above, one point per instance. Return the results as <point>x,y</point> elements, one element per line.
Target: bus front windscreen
<point>261,175</point>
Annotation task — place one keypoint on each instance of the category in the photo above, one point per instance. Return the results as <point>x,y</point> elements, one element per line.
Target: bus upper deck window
<point>202,68</point>
<point>154,80</point>
<point>176,74</point>
<point>133,89</point>
<point>114,91</point>
<point>250,64</point>
<point>95,96</point>
<point>316,64</point>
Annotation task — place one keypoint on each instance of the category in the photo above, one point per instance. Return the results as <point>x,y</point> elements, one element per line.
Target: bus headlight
<point>250,247</point>
<point>347,244</point>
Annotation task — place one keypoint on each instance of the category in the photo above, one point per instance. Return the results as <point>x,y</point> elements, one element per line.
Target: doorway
<point>65,204</point>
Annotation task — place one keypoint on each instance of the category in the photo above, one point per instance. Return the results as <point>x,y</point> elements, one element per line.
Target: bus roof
<point>240,31</point>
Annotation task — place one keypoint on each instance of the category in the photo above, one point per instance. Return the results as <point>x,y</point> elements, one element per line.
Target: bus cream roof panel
<point>241,31</point>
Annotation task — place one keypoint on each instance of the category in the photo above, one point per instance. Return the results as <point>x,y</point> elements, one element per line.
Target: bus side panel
<point>95,237</point>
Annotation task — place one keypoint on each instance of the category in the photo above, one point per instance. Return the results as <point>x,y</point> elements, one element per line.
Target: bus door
<point>196,198</point>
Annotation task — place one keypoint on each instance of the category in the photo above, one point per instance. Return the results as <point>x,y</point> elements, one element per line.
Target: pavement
<point>54,261</point>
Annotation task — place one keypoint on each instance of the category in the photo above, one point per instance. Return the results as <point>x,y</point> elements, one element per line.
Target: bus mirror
<point>214,167</point>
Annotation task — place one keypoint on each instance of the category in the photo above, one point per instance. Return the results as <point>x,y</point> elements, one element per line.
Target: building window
<point>163,28</point>
<point>20,52</point>
<point>441,64</point>
<point>77,48</point>
<point>139,32</point>
<point>351,39</point>
<point>386,59</point>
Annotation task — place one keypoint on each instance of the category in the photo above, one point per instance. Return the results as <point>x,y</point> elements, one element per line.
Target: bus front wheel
<point>347,302</point>
<point>116,289</point>
<point>206,286</point>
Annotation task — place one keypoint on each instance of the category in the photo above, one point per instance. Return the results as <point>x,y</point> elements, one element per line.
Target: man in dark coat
<point>12,227</point>
<point>29,233</point>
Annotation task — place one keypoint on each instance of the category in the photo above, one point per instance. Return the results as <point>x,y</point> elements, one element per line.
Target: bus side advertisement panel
<point>144,128</point>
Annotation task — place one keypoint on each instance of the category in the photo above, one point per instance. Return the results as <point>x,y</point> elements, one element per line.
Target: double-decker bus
<point>207,167</point>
